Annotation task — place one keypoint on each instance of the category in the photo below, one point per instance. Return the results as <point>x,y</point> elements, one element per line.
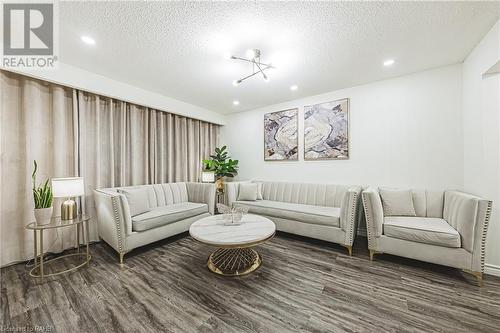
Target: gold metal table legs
<point>38,268</point>
<point>234,262</point>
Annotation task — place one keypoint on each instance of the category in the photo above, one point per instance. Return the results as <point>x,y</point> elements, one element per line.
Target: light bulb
<point>250,54</point>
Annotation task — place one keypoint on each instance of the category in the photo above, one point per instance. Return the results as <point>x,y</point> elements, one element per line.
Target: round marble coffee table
<point>234,255</point>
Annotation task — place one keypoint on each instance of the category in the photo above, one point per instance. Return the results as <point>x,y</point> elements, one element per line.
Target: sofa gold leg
<point>477,275</point>
<point>349,249</point>
<point>372,253</point>
<point>122,254</point>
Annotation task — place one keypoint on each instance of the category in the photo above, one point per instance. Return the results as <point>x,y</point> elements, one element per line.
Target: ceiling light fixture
<point>257,65</point>
<point>252,54</point>
<point>236,102</point>
<point>294,87</point>
<point>389,62</point>
<point>88,40</point>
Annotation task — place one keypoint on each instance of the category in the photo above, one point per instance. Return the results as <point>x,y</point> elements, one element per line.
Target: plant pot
<point>219,184</point>
<point>43,215</point>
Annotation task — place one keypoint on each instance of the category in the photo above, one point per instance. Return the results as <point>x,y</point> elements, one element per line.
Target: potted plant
<point>42,196</point>
<point>222,165</point>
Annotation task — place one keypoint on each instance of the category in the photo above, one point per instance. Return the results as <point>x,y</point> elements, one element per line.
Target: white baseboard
<point>492,269</point>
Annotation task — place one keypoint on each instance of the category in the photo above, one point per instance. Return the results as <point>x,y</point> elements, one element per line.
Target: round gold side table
<point>81,224</point>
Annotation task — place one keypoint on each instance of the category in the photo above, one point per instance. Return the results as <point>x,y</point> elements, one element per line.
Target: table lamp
<point>68,188</point>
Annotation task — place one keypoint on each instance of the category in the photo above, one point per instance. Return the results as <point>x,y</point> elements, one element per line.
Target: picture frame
<point>326,131</point>
<point>281,141</point>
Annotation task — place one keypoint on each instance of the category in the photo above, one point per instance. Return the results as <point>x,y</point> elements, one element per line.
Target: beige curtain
<point>108,142</point>
<point>36,123</point>
<point>178,144</point>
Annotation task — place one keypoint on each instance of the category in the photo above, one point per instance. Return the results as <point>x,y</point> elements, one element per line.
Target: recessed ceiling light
<point>236,102</point>
<point>87,40</point>
<point>389,62</point>
<point>294,87</point>
<point>227,55</point>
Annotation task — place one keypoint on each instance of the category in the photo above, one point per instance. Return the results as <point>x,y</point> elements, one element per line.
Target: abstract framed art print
<point>281,135</point>
<point>326,130</point>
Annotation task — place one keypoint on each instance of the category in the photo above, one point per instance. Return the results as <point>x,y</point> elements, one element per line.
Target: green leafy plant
<point>221,163</point>
<point>41,194</point>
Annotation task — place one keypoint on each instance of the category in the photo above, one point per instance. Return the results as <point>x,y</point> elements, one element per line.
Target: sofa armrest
<point>113,218</point>
<point>349,214</point>
<point>469,215</point>
<point>374,214</point>
<point>202,193</point>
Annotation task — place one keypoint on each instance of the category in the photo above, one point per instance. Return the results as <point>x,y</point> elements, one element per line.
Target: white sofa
<point>322,211</point>
<point>449,228</point>
<point>172,209</point>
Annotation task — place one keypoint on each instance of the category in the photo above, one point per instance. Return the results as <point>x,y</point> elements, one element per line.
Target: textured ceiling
<point>177,48</point>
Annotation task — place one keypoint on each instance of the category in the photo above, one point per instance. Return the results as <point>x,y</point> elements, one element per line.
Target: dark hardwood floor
<point>303,286</point>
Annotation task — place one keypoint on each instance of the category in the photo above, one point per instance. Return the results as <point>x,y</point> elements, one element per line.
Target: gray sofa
<point>172,208</point>
<point>449,228</point>
<point>322,211</point>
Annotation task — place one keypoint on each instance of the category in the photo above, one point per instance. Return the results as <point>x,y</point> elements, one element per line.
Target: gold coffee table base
<point>234,262</point>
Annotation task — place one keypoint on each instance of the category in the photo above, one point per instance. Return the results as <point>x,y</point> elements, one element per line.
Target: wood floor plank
<point>303,286</point>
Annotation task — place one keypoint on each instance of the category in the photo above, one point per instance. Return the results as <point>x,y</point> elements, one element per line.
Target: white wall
<point>81,79</point>
<point>481,112</point>
<point>404,132</point>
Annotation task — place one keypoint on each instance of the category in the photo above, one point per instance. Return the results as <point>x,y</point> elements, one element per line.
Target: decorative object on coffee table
<point>281,141</point>
<point>326,130</point>
<point>234,256</point>
<point>232,216</point>
<point>222,165</point>
<point>68,188</point>
<point>81,223</point>
<point>42,196</point>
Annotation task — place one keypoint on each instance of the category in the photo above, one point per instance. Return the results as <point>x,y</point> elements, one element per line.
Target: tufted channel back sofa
<point>447,228</point>
<point>323,211</point>
<point>166,210</point>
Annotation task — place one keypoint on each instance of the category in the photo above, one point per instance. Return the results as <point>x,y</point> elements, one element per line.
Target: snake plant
<point>41,194</point>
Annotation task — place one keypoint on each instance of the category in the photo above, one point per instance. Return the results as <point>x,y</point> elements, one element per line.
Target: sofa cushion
<point>248,192</point>
<point>326,195</point>
<point>259,191</point>
<point>159,216</point>
<point>397,202</point>
<point>428,230</point>
<point>137,199</point>
<point>329,216</point>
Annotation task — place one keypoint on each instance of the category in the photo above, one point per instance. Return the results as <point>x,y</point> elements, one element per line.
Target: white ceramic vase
<point>43,215</point>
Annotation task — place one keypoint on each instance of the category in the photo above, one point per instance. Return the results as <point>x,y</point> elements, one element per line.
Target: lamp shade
<point>208,176</point>
<point>67,187</point>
